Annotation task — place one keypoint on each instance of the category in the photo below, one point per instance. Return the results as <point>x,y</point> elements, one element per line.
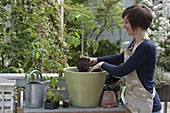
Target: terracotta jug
<point>108,99</point>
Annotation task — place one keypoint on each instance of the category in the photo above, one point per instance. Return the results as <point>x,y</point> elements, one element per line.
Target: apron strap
<point>154,93</point>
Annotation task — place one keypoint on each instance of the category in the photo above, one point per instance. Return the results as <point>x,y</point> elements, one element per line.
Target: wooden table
<point>71,109</point>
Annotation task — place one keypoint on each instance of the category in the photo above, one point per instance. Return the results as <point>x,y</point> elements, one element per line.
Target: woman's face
<point>128,26</point>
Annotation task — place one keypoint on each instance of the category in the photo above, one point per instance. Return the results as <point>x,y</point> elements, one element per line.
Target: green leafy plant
<point>87,21</point>
<point>112,48</point>
<point>76,36</point>
<point>102,15</point>
<point>53,96</point>
<point>161,78</point>
<point>33,36</point>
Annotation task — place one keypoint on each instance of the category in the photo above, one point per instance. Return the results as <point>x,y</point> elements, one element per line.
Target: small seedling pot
<point>66,103</point>
<point>50,105</point>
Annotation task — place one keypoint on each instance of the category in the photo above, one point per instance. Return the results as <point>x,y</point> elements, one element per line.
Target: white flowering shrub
<point>161,78</point>
<point>160,30</point>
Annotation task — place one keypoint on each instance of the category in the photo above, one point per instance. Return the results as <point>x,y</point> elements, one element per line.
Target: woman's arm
<point>140,55</point>
<point>112,59</point>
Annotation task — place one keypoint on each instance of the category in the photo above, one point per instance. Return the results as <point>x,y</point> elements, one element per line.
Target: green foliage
<point>31,36</point>
<point>33,39</point>
<point>99,16</point>
<point>106,48</point>
<point>53,96</point>
<point>53,81</point>
<point>88,20</point>
<point>82,18</point>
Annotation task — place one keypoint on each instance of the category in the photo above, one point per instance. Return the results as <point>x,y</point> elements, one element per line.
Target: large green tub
<point>84,88</point>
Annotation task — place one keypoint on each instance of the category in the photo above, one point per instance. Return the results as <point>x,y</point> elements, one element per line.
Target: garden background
<point>47,34</point>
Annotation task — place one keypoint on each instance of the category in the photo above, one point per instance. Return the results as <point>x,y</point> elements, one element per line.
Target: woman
<point>138,62</point>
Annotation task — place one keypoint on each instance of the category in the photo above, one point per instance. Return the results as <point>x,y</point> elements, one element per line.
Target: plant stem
<point>82,40</point>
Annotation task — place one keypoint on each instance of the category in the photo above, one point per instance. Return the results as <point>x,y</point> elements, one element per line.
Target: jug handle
<point>34,71</point>
<point>46,84</point>
<point>47,81</point>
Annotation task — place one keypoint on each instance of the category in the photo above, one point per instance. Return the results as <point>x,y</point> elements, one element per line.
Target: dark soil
<point>83,64</point>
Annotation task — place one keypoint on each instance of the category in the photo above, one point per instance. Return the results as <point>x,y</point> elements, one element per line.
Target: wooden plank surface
<point>71,109</point>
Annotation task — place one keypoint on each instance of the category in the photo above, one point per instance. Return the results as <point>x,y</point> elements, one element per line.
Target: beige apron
<point>137,98</point>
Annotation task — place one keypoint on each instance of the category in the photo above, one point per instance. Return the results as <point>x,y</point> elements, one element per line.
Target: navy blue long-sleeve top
<point>143,61</point>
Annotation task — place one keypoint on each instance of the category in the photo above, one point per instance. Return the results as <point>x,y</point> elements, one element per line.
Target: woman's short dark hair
<point>138,15</point>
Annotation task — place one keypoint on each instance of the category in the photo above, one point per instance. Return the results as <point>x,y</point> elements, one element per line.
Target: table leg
<point>165,107</point>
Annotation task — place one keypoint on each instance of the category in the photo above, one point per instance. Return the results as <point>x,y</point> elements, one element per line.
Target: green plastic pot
<point>84,88</point>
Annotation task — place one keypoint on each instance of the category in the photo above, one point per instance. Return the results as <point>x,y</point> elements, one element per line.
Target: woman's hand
<point>92,60</point>
<point>96,67</point>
